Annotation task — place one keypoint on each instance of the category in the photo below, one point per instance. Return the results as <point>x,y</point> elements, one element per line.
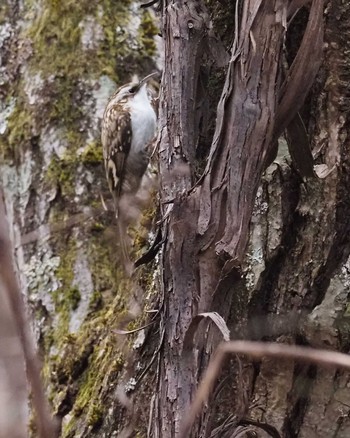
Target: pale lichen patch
<point>33,87</point>
<point>40,273</point>
<point>52,142</point>
<point>6,110</point>
<point>91,33</point>
<point>83,281</point>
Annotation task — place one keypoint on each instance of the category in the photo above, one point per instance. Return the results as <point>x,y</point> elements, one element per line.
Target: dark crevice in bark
<point>338,254</point>
<point>340,248</point>
<point>295,33</point>
<point>303,379</point>
<point>260,303</point>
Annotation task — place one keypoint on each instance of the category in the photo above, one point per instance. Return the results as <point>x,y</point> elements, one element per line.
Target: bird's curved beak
<point>146,79</point>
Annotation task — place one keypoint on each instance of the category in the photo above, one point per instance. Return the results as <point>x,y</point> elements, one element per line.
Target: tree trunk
<point>281,285</point>
<point>60,62</point>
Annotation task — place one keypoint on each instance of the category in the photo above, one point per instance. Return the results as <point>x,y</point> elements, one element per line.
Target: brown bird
<point>128,127</point>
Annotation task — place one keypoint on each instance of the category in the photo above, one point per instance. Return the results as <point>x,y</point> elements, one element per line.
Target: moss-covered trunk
<point>60,61</point>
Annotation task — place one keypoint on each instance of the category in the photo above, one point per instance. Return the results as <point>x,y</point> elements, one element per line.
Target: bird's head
<point>132,89</point>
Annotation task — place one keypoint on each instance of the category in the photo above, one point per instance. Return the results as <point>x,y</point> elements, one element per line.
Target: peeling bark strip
<point>303,70</point>
<point>245,121</point>
<point>295,89</point>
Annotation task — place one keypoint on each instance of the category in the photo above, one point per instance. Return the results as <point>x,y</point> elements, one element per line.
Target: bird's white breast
<point>143,121</point>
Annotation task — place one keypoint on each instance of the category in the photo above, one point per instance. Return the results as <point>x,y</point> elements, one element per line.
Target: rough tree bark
<point>298,242</point>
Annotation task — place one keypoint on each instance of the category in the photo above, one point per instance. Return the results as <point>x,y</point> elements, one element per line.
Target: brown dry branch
<point>21,332</point>
<point>256,350</point>
<point>151,3</point>
<point>295,5</point>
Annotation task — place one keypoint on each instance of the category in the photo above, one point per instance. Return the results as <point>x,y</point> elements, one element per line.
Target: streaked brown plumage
<point>128,126</point>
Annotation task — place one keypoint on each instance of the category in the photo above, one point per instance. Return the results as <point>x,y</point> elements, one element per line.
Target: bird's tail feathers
<point>124,247</point>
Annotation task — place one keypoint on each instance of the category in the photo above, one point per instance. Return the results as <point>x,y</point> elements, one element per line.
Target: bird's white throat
<point>143,120</point>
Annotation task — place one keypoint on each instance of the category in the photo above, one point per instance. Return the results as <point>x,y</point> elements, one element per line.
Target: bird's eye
<point>133,89</point>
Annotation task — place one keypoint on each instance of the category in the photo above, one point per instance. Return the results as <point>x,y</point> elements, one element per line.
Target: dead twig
<point>151,3</point>
<point>46,427</point>
<point>256,350</point>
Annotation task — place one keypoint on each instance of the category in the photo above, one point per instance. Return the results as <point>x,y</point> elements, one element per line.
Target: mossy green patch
<point>56,36</point>
<point>66,297</point>
<point>61,172</point>
<point>148,30</point>
<point>65,107</point>
<point>59,54</point>
<point>105,363</point>
<point>102,255</point>
<point>92,154</point>
<point>223,18</point>
<point>73,296</point>
<point>20,125</point>
<point>96,301</point>
<point>4,11</point>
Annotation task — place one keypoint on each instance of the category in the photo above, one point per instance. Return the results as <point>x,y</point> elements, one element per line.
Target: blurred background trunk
<point>60,61</point>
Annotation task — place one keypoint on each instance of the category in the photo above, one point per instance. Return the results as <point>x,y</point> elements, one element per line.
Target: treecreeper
<point>128,131</point>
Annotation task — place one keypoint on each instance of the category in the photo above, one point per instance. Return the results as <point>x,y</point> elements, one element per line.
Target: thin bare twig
<point>295,5</point>
<point>46,427</point>
<point>256,350</point>
<point>149,4</point>
<point>129,332</point>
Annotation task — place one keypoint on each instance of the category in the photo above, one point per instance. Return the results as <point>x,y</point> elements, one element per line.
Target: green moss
<point>96,301</point>
<point>148,30</point>
<point>58,52</point>
<point>149,214</point>
<point>66,297</point>
<point>94,418</point>
<point>56,36</point>
<point>102,368</point>
<point>92,154</point>
<point>90,361</point>
<point>65,107</point>
<point>140,234</point>
<point>223,17</point>
<point>73,296</point>
<point>4,11</point>
<point>74,358</point>
<point>97,227</point>
<point>61,172</point>
<point>20,127</point>
<point>64,64</point>
<point>106,273</point>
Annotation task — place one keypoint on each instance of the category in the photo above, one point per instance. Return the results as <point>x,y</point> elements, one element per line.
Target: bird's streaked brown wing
<point>116,143</point>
